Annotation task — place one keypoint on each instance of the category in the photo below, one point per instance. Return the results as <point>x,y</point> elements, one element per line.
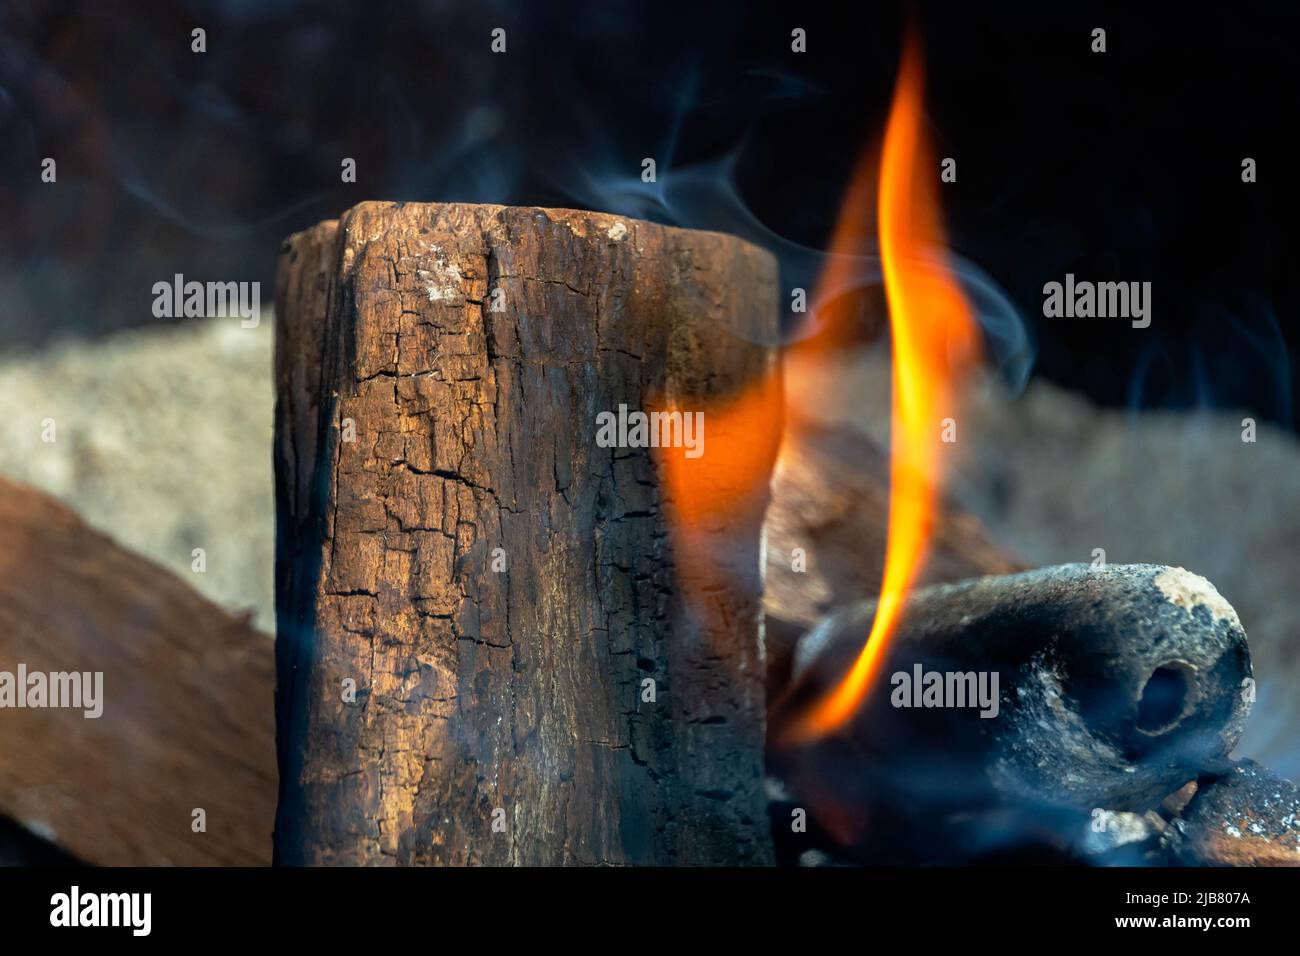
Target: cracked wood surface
<point>475,430</point>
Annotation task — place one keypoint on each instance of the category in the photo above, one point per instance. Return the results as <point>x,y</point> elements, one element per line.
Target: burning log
<point>175,709</point>
<point>1244,817</point>
<point>491,647</point>
<point>1058,691</point>
<point>826,529</point>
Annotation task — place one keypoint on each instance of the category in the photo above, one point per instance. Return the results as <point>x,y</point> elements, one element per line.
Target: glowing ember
<point>935,340</point>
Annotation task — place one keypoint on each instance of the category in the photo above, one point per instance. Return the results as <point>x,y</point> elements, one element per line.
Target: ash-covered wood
<point>1248,816</point>
<point>185,718</point>
<point>1115,687</point>
<point>574,707</point>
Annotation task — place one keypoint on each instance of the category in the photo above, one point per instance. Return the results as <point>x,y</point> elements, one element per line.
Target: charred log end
<point>1118,686</point>
<point>1168,697</point>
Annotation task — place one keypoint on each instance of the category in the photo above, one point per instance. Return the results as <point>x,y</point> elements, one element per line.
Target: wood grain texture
<point>187,687</point>
<point>520,691</point>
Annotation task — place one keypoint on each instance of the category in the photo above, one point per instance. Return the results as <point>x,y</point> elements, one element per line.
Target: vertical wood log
<point>503,716</point>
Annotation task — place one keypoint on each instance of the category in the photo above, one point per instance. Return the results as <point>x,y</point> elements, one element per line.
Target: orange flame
<point>706,492</point>
<point>934,341</point>
<point>713,497</point>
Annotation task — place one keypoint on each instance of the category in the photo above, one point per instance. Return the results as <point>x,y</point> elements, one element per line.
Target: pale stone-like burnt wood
<point>187,690</point>
<point>475,430</point>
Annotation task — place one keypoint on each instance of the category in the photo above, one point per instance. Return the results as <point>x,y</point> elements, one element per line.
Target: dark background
<point>1121,166</point>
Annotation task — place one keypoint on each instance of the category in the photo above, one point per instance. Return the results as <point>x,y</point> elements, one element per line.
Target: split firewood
<point>494,644</point>
<point>136,715</point>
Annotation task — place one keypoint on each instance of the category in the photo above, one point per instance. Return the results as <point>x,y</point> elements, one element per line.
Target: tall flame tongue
<point>935,341</point>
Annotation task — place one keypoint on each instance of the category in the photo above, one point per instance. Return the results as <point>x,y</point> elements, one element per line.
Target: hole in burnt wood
<point>1167,697</point>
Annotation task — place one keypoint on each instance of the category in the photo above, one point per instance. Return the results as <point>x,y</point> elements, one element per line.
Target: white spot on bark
<point>1187,590</point>
<point>443,280</point>
<point>617,231</point>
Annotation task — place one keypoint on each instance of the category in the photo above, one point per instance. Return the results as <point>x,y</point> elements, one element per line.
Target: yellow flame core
<point>934,339</point>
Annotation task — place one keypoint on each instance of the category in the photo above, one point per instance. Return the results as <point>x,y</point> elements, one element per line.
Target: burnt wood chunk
<point>1245,816</point>
<point>487,649</point>
<point>1057,691</point>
